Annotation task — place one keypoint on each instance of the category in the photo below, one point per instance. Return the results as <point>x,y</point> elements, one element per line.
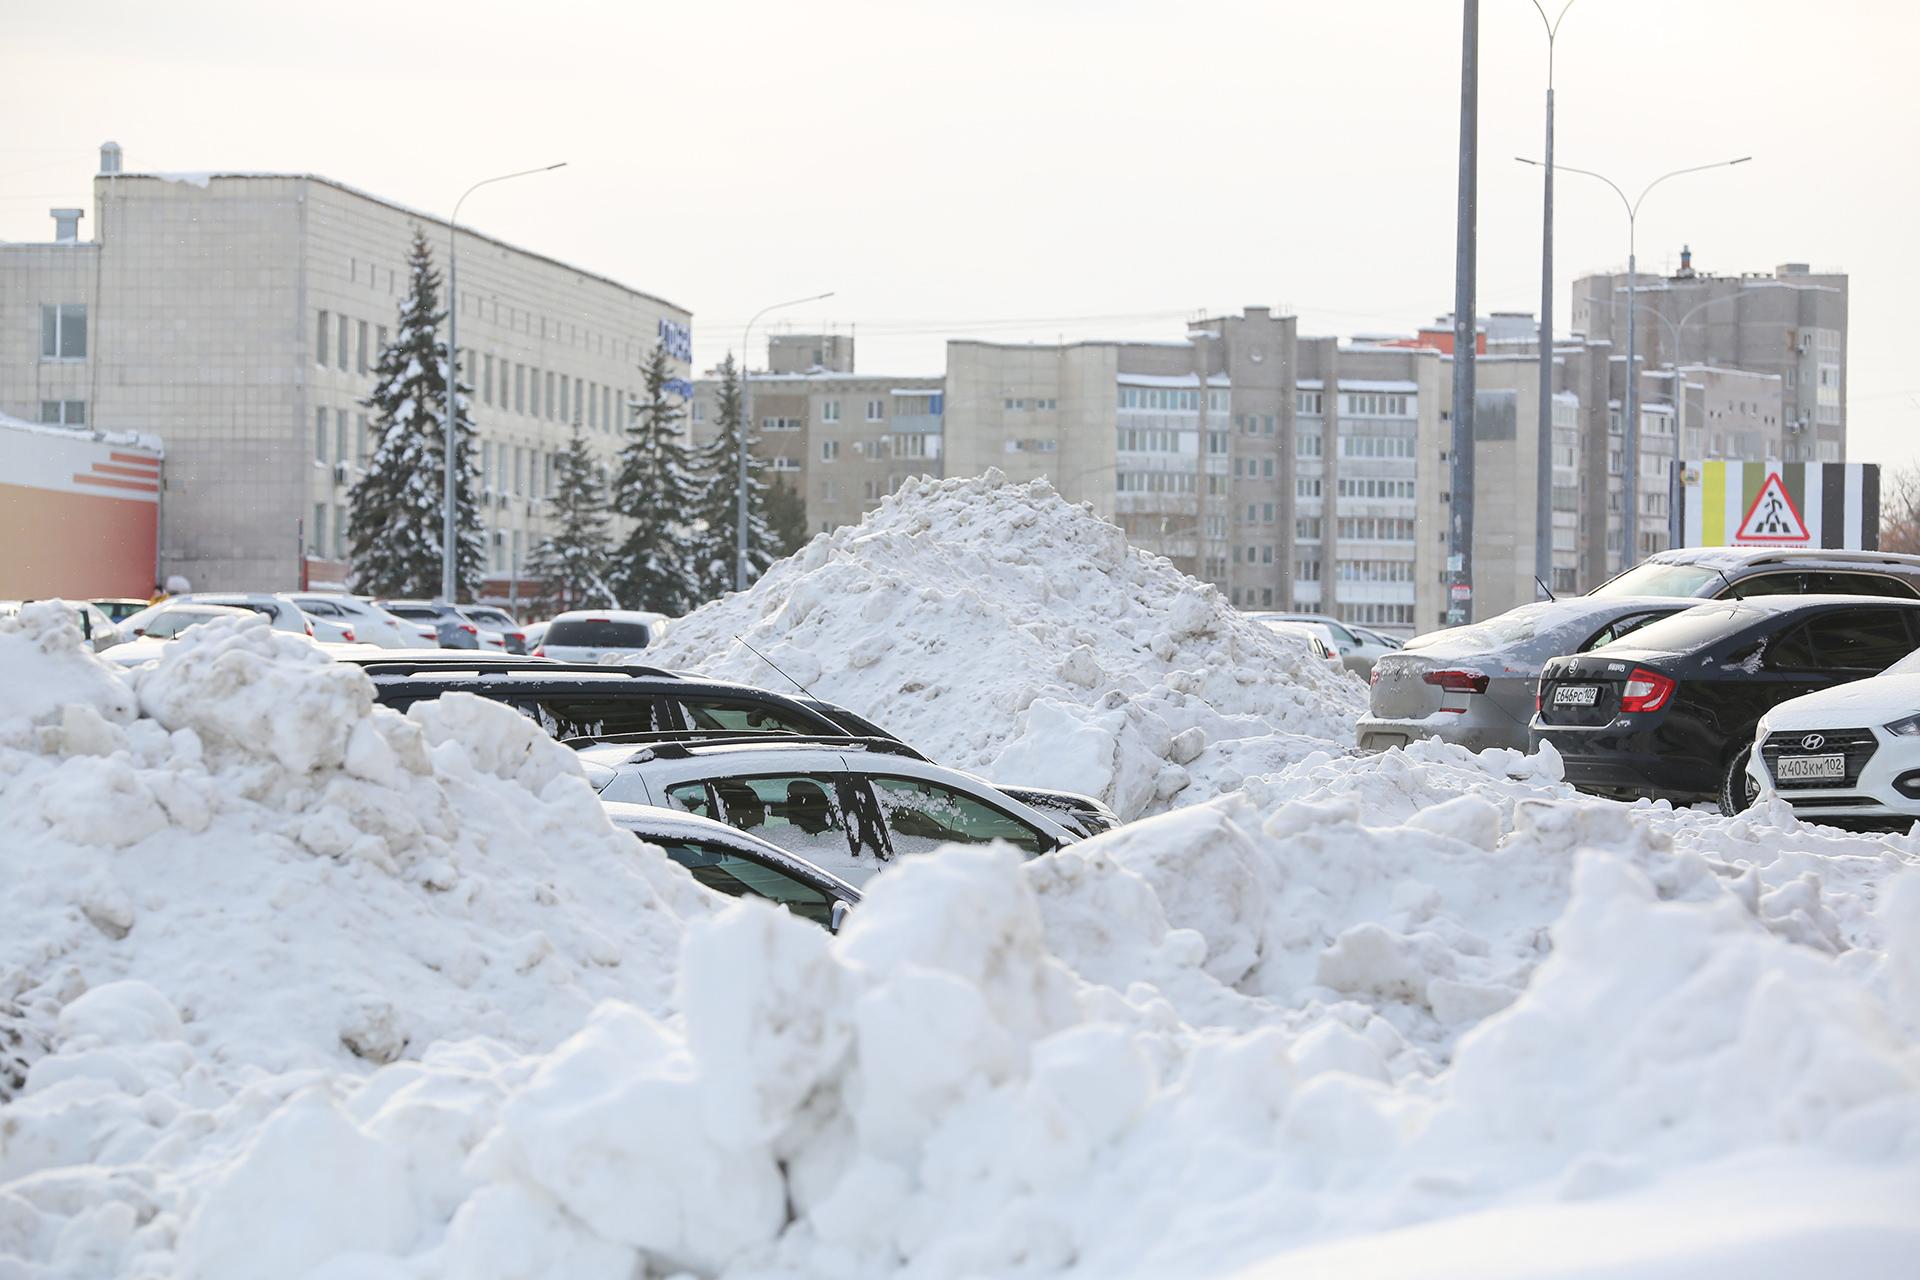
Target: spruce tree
<point>399,503</point>
<point>571,563</point>
<point>717,467</point>
<point>656,489</point>
<point>786,518</point>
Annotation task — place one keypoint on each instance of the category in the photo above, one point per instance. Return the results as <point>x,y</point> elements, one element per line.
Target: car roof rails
<point>679,743</point>
<point>489,665</point>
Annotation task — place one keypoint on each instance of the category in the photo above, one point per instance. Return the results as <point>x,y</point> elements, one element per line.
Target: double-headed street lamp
<point>1630,453</point>
<point>741,572</point>
<point>449,557</point>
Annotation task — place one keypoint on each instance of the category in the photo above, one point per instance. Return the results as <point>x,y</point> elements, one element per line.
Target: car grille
<point>1858,745</point>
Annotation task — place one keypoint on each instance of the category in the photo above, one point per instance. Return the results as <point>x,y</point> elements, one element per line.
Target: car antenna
<point>783,675</point>
<point>1544,587</point>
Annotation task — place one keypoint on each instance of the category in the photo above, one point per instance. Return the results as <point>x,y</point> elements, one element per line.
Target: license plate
<point>1804,767</point>
<point>1576,695</point>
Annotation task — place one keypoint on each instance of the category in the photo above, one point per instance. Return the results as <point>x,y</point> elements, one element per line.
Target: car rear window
<point>599,633</point>
<point>1692,629</point>
<point>1656,579</point>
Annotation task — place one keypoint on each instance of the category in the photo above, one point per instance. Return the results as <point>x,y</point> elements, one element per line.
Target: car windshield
<point>1691,629</point>
<point>598,633</point>
<point>1655,578</point>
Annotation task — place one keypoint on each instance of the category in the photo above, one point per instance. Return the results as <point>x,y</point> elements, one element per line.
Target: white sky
<point>1036,170</point>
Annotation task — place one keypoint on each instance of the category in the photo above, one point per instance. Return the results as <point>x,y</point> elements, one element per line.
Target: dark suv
<point>1670,710</point>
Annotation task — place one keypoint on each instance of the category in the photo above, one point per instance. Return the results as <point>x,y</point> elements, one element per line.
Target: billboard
<point>1832,505</point>
<point>79,512</point>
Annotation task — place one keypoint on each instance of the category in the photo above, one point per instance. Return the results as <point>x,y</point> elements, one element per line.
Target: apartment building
<point>239,317</point>
<point>1790,324</point>
<point>844,440</point>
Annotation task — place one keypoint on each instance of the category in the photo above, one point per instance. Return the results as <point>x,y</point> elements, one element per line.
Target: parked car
<point>1670,710</point>
<point>280,614</point>
<point>169,618</point>
<point>849,809</point>
<point>96,627</point>
<point>1318,638</point>
<point>1357,650</point>
<point>1380,638</point>
<point>1849,754</point>
<point>534,632</point>
<point>1734,573</point>
<point>588,635</point>
<point>120,608</point>
<point>738,864</point>
<point>452,629</point>
<point>1474,685</point>
<point>492,618</point>
<point>580,701</point>
<point>366,622</point>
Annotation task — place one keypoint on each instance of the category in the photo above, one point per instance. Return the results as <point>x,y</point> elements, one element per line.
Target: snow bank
<point>295,987</point>
<point>1001,629</point>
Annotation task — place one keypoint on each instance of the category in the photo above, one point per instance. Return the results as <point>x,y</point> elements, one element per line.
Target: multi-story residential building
<point>1791,325</point>
<point>239,317</point>
<point>844,440</point>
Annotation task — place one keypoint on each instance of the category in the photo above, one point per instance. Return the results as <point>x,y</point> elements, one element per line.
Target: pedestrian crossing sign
<point>1773,519</point>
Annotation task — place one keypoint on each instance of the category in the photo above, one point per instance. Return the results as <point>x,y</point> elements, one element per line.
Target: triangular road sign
<point>1773,518</point>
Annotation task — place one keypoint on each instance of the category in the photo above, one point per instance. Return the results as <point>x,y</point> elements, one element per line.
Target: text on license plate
<point>1811,767</point>
<point>1576,695</point>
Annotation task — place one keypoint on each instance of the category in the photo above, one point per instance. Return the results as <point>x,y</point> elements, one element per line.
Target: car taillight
<point>349,632</point>
<point>470,629</point>
<point>1645,691</point>
<point>539,651</point>
<point>309,628</point>
<point>1458,681</point>
<point>517,635</point>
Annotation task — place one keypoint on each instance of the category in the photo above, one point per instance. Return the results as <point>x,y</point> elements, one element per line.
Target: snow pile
<point>1001,629</point>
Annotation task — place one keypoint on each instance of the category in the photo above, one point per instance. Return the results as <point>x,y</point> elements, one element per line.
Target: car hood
<point>1861,704</point>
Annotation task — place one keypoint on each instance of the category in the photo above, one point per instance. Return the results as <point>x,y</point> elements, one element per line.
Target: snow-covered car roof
<point>1538,631</point>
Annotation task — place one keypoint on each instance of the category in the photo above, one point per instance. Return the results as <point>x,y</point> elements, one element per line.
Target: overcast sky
<point>1033,169</point>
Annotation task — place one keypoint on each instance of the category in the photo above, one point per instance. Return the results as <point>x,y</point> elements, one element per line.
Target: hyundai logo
<point>1813,742</point>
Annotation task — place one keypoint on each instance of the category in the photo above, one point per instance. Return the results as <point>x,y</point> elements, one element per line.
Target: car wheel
<point>1737,790</point>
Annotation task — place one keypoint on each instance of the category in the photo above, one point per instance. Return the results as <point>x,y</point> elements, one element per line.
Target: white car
<point>1318,638</point>
<point>281,615</point>
<point>1851,752</point>
<point>364,623</point>
<point>1357,650</point>
<point>590,635</point>
<point>737,864</point>
<point>100,631</point>
<point>849,810</point>
<point>169,618</point>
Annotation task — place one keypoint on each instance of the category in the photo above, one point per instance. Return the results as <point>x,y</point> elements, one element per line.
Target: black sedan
<point>1670,710</point>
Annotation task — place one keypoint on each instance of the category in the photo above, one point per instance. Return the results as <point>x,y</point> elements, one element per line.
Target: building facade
<point>239,317</point>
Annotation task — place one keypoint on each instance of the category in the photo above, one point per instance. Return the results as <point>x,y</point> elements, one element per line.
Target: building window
<point>340,352</point>
<point>533,391</point>
<point>319,437</point>
<point>340,435</point>
<point>519,388</point>
<point>829,411</point>
<point>552,410</point>
<point>829,450</point>
<point>363,443</point>
<point>360,346</point>
<point>699,411</point>
<point>876,410</point>
<point>64,413</point>
<point>317,535</point>
<point>563,399</point>
<point>320,338</point>
<point>486,379</point>
<point>519,476</point>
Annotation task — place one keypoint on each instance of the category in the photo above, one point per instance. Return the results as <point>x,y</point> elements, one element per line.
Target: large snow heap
<point>1000,628</point>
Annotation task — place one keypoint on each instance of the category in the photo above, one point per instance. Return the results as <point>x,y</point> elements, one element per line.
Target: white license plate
<point>1803,767</point>
<point>1576,695</point>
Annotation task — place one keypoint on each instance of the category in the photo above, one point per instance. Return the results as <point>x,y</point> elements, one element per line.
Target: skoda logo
<point>1813,742</point>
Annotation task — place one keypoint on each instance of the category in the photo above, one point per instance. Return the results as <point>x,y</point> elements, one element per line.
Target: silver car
<point>1474,685</point>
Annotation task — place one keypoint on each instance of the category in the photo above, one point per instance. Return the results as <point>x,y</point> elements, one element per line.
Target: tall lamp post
<point>1630,428</point>
<point>449,557</point>
<point>1543,476</point>
<point>740,568</point>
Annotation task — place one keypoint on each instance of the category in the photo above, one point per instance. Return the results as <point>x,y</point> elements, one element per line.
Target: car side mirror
<point>839,915</point>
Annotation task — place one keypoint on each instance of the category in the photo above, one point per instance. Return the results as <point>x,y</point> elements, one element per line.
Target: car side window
<point>1618,628</point>
<point>741,717</point>
<point>922,816</point>
<point>799,813</point>
<point>1860,639</point>
<point>1767,584</point>
<point>586,716</point>
<point>725,871</point>
<point>1858,584</point>
<point>692,797</point>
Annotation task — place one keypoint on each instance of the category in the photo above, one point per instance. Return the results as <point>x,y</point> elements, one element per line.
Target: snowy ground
<point>292,986</point>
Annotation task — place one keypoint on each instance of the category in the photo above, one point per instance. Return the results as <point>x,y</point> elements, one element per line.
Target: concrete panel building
<point>239,316</point>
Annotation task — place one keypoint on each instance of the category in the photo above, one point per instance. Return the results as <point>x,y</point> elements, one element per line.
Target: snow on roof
<point>1377,384</point>
<point>125,439</point>
<point>1171,380</point>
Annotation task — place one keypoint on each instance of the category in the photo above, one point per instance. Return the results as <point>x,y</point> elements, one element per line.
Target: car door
<point>1787,583</point>
<point>918,816</point>
<point>734,873</point>
<point>1834,646</point>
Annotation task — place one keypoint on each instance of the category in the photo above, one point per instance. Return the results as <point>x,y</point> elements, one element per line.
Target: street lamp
<point>1630,434</point>
<point>449,558</point>
<point>1543,477</point>
<point>740,569</point>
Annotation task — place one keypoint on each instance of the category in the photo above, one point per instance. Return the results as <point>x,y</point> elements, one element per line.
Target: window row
<point>1023,405</point>
<point>1377,447</point>
<point>1143,440</point>
<point>1255,424</point>
<point>1372,405</point>
<point>1155,482</point>
<point>347,344</point>
<point>1170,399</point>
<point>1370,488</point>
<point>1375,529</point>
<point>1266,555</point>
<point>1255,468</point>
<point>1375,570</point>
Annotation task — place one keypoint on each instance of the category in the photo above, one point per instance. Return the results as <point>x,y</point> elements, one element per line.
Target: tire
<point>1737,790</point>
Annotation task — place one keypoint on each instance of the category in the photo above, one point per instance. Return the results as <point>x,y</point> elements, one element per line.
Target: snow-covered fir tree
<point>656,488</point>
<point>717,470</point>
<point>399,504</point>
<point>786,518</point>
<point>571,563</point>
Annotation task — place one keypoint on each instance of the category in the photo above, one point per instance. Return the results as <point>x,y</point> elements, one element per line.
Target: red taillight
<point>521,636</point>
<point>349,631</point>
<point>1458,681</point>
<point>540,651</point>
<point>470,629</point>
<point>309,628</point>
<point>1645,691</point>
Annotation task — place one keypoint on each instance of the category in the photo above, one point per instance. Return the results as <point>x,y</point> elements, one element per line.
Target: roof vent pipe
<point>109,157</point>
<point>66,225</point>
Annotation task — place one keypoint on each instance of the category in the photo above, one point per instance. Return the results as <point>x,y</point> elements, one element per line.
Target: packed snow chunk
<point>1002,629</point>
<point>46,666</point>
